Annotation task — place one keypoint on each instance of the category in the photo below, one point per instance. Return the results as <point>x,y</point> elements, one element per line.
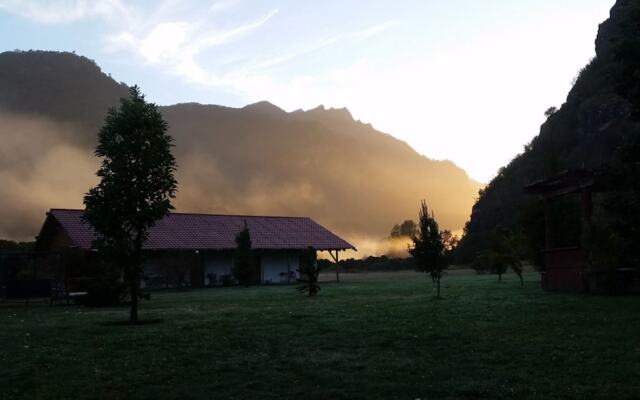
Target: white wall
<point>274,266</point>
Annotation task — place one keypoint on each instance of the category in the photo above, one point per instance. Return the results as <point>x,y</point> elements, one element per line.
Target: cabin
<point>187,250</point>
<point>567,266</point>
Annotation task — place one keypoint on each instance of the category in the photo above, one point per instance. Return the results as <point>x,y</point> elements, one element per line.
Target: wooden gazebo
<point>566,267</point>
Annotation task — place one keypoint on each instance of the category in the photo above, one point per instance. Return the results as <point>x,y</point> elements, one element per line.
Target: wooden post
<point>66,277</point>
<point>587,210</point>
<point>286,252</point>
<point>337,267</point>
<point>335,259</point>
<point>548,242</point>
<point>585,235</point>
<point>261,270</point>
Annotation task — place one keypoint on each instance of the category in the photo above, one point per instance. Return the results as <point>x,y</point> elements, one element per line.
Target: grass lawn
<point>370,336</point>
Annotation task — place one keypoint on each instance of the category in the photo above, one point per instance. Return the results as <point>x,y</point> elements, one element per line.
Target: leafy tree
<point>136,186</point>
<point>603,253</point>
<point>107,289</point>
<point>309,271</point>
<point>504,252</point>
<point>243,259</point>
<point>406,229</point>
<point>427,246</point>
<point>395,231</point>
<point>450,242</point>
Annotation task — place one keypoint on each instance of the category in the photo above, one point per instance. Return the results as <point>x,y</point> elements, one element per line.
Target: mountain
<point>257,159</point>
<point>585,132</point>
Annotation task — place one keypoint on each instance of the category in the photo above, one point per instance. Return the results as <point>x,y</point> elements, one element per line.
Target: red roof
<point>214,232</point>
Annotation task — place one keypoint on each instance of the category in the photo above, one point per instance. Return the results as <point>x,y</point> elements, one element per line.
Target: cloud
<point>176,43</point>
<point>260,66</point>
<point>174,46</point>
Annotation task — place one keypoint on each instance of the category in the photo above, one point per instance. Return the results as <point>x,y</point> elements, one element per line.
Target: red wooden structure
<point>565,267</point>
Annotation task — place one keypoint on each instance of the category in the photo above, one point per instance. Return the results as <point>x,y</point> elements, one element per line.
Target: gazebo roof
<point>569,181</point>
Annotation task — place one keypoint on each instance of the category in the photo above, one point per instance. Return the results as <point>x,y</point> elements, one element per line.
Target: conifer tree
<point>427,247</point>
<point>243,260</point>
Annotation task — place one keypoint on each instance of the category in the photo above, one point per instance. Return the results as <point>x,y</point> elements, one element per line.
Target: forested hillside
<point>585,132</point>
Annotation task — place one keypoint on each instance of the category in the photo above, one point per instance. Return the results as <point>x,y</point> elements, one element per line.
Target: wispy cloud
<point>174,46</point>
<point>174,35</point>
<point>313,47</point>
<point>177,47</point>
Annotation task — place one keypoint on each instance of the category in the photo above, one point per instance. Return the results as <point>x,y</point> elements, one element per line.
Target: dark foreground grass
<point>372,339</point>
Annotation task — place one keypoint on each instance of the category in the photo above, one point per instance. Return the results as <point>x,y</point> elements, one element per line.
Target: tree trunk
<point>521,280</point>
<point>438,278</point>
<point>499,278</point>
<point>133,315</point>
<point>134,278</point>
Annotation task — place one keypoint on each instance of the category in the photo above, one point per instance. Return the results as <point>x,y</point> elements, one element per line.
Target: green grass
<point>366,337</point>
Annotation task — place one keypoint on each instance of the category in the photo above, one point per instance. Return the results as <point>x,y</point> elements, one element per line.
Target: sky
<point>463,80</point>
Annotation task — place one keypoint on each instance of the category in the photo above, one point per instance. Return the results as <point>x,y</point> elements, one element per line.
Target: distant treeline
<point>370,264</point>
<point>11,246</point>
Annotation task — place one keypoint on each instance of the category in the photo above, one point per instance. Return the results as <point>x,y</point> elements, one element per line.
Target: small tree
<point>243,261</point>
<point>309,272</point>
<point>427,247</point>
<point>450,243</point>
<point>136,186</point>
<point>550,111</point>
<point>505,251</point>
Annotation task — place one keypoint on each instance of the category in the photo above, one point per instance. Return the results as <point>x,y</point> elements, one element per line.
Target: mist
<point>256,160</point>
<point>225,168</point>
<point>40,169</point>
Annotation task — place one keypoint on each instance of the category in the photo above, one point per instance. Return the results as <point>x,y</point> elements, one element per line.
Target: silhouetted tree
<point>406,229</point>
<point>427,247</point>
<point>504,252</point>
<point>604,249</point>
<point>107,288</point>
<point>450,242</point>
<point>550,111</point>
<point>243,258</point>
<point>309,271</point>
<point>13,246</point>
<point>136,185</point>
<point>395,231</point>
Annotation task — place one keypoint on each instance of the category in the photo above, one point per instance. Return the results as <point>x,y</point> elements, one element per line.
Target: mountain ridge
<point>254,159</point>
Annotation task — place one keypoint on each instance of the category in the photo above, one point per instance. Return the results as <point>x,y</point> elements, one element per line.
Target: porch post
<point>587,210</point>
<point>286,252</point>
<point>548,243</point>
<point>337,267</point>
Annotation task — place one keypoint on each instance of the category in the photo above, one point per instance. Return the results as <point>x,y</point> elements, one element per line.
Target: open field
<point>367,337</point>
